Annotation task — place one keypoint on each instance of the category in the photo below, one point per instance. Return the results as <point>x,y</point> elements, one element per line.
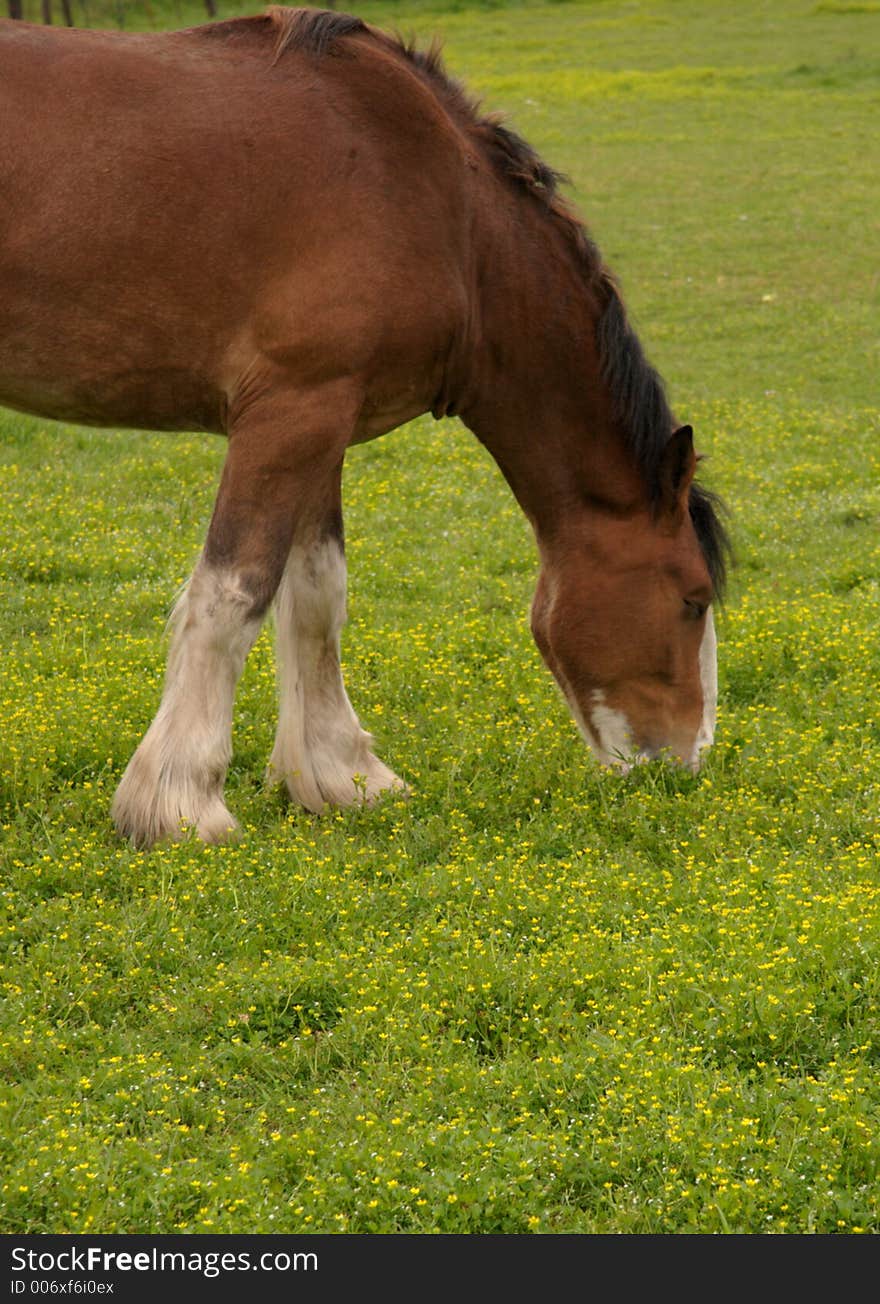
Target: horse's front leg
<point>174,782</point>
<point>280,482</point>
<point>321,752</point>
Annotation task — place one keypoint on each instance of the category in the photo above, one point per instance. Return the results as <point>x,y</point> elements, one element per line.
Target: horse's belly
<point>76,369</point>
<point>162,400</point>
<point>99,347</point>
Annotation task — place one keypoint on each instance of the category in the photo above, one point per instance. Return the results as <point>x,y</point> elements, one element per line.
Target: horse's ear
<point>678,465</point>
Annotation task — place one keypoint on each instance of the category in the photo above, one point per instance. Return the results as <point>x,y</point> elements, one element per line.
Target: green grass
<point>534,997</point>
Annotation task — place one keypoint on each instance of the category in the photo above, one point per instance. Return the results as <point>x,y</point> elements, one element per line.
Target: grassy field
<point>534,997</point>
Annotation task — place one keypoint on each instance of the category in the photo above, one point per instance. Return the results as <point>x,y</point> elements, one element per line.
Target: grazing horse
<point>299,232</point>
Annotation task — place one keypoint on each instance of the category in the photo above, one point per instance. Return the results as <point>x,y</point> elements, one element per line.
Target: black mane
<point>636,388</point>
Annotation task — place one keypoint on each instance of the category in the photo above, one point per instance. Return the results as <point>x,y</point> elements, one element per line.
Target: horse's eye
<point>695,610</point>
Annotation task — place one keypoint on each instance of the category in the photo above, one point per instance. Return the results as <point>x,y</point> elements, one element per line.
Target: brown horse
<point>298,232</point>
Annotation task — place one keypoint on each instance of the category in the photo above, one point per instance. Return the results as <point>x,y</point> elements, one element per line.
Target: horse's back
<point>173,203</point>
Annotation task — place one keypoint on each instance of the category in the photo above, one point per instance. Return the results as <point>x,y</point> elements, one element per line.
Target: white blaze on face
<point>606,732</point>
<point>709,678</point>
<point>612,733</point>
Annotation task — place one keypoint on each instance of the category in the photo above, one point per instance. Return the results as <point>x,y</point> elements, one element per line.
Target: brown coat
<point>296,232</point>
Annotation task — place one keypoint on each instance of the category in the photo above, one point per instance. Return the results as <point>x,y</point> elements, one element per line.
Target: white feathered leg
<point>175,779</point>
<point>321,752</point>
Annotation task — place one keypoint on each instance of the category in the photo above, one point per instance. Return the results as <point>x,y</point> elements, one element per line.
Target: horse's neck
<point>536,396</point>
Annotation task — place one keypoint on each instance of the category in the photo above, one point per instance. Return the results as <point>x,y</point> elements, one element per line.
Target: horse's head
<point>623,617</point>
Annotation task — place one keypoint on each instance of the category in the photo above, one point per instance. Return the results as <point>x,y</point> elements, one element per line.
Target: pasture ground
<point>534,997</point>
